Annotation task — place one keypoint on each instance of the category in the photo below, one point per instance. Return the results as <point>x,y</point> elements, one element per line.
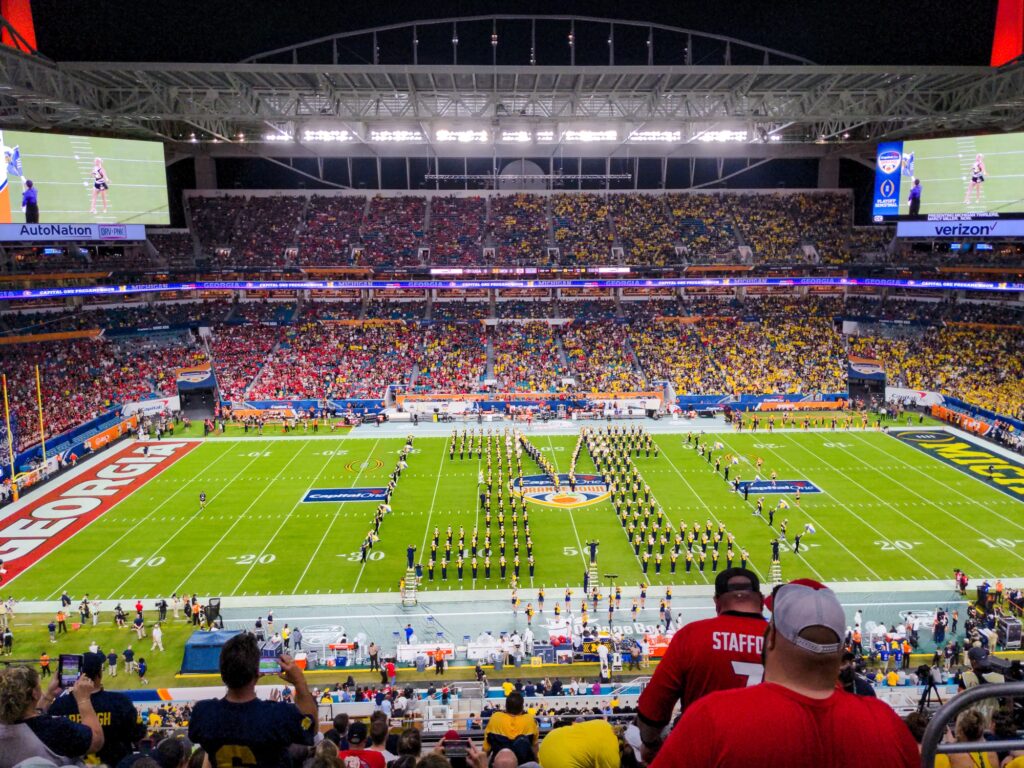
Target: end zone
<point>995,468</point>
<point>35,526</point>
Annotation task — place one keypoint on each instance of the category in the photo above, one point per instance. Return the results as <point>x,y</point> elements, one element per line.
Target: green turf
<point>61,167</point>
<point>888,511</point>
<point>944,168</point>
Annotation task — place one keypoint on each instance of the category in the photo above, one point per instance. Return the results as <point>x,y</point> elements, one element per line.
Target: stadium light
<point>587,136</point>
<point>647,136</point>
<point>518,137</point>
<point>723,137</point>
<point>545,135</point>
<point>468,136</point>
<point>327,135</point>
<point>395,136</point>
<point>277,136</point>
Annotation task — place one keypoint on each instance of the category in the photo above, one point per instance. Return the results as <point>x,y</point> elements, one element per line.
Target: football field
<point>61,168</point>
<point>882,508</point>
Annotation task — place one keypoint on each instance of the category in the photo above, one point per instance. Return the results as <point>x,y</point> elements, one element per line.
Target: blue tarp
<point>202,651</point>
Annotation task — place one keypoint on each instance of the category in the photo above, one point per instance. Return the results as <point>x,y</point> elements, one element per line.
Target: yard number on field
<point>153,562</point>
<point>896,544</point>
<point>355,557</point>
<point>997,543</point>
<point>253,559</point>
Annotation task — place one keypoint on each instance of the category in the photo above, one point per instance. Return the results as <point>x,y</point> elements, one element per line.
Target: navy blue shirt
<point>60,735</point>
<point>255,734</point>
<point>118,718</point>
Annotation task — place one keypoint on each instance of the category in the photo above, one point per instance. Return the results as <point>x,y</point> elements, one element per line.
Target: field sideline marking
<point>240,517</point>
<point>899,512</point>
<point>818,525</point>
<point>851,512</point>
<point>337,512</point>
<point>358,475</point>
<point>140,522</point>
<point>113,595</point>
<point>948,487</point>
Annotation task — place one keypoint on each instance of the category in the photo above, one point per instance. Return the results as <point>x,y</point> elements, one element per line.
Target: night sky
<point>827,32</point>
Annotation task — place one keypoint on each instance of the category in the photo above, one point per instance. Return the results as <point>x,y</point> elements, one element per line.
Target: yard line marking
<point>823,529</point>
<point>709,510</point>
<point>962,521</point>
<point>901,514</point>
<point>330,525</point>
<point>288,516</point>
<point>241,517</point>
<point>576,533</point>
<point>433,500</point>
<point>120,538</point>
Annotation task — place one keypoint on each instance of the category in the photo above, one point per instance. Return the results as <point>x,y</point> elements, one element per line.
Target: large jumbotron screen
<point>967,176</point>
<point>83,179</point>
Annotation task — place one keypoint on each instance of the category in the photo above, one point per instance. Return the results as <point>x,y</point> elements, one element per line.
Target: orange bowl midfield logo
<point>590,489</point>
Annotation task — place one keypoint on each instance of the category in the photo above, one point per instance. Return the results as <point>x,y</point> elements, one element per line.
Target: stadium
<point>435,361</point>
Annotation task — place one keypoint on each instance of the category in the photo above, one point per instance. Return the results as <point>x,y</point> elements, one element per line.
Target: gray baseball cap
<point>806,603</point>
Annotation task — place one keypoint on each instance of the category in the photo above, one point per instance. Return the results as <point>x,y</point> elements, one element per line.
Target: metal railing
<point>931,742</point>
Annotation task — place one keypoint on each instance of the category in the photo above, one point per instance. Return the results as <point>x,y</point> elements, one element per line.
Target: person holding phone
<point>27,731</point>
<point>122,728</point>
<point>241,727</point>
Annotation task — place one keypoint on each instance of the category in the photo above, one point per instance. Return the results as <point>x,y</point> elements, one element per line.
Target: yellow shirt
<point>591,744</point>
<point>892,679</point>
<point>507,688</point>
<point>511,726</point>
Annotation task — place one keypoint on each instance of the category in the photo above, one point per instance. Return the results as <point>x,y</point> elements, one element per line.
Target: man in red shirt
<point>797,716</point>
<point>358,755</point>
<point>705,656</point>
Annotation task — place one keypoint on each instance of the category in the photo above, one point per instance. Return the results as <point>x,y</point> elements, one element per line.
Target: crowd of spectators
<point>370,358</point>
<point>527,358</point>
<point>453,358</point>
<point>393,230</point>
<point>704,226</point>
<point>767,225</point>
<point>676,353</point>
<point>982,366</point>
<point>528,308</point>
<point>213,219</point>
<point>264,228</point>
<point>600,358</point>
<point>589,309</point>
<point>174,248</point>
<point>331,229</point>
<point>82,378</point>
<point>457,229</point>
<point>238,353</point>
<point>519,227</point>
<point>582,228</point>
<point>331,310</point>
<point>387,309</point>
<point>460,310</point>
<point>263,312</point>
<point>643,227</point>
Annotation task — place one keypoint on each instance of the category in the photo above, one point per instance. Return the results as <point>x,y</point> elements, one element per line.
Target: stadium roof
<point>698,95</point>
